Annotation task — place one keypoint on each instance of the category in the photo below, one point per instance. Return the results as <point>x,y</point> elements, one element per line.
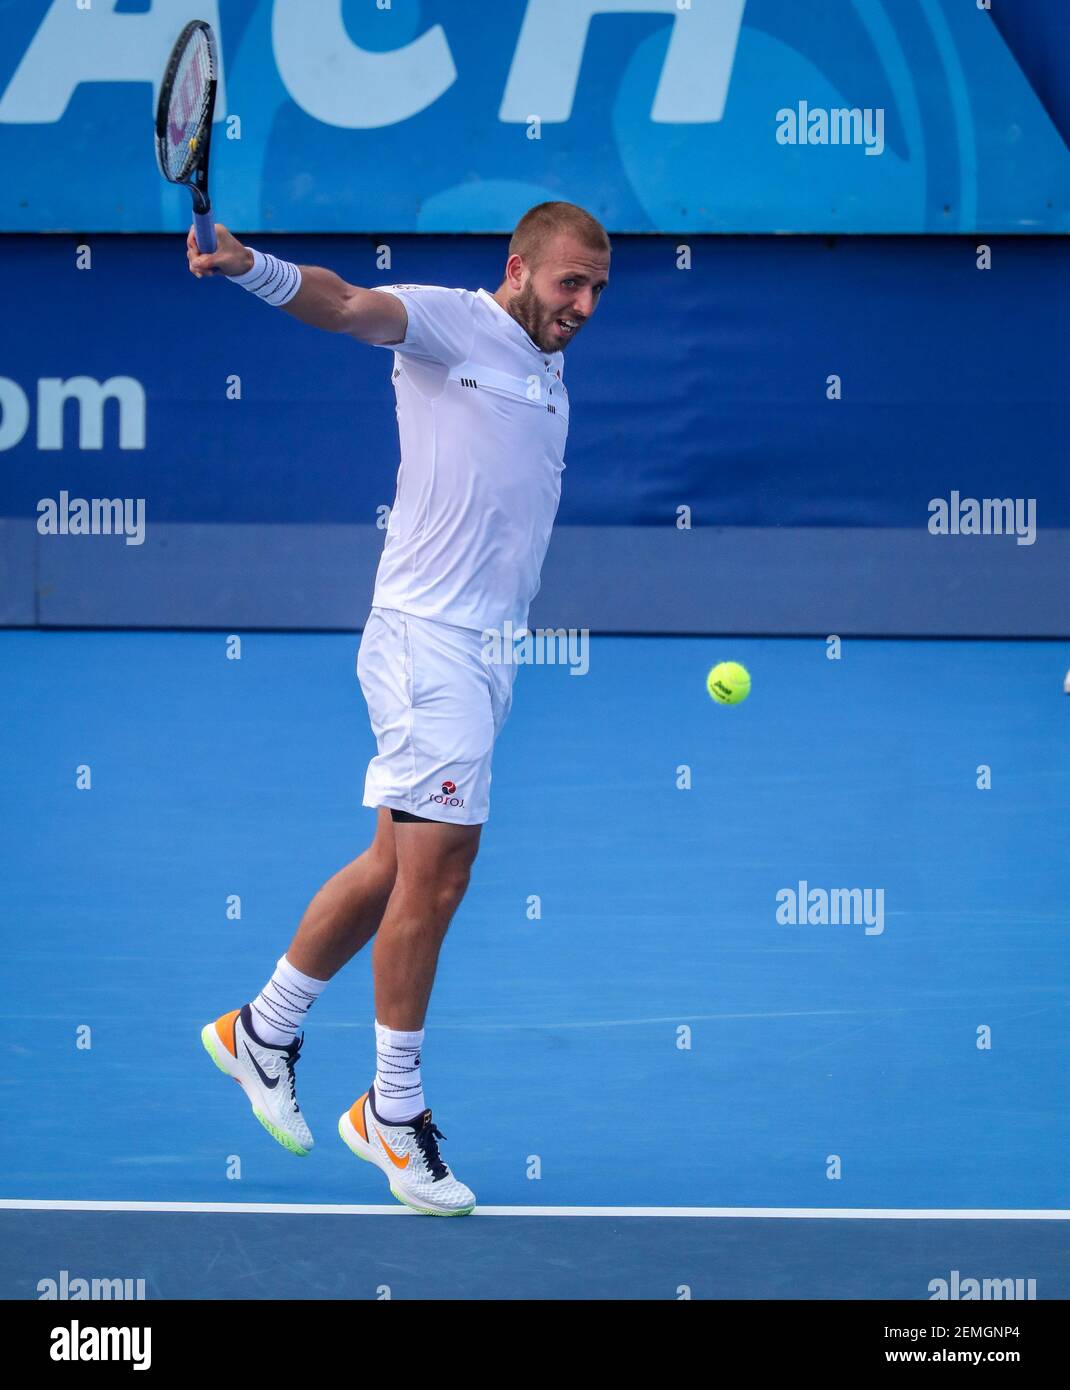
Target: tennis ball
<point>728,683</point>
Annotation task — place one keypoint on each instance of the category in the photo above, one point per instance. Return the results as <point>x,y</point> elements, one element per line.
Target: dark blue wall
<point>703,386</point>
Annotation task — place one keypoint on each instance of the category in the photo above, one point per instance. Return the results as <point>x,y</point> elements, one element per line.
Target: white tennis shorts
<point>436,708</point>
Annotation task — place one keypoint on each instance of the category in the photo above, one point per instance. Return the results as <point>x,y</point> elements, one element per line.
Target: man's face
<point>560,293</point>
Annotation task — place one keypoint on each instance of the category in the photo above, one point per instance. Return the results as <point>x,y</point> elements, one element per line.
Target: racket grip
<point>206,237</point>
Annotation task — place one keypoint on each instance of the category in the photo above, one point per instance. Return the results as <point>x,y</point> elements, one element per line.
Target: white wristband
<point>274,281</point>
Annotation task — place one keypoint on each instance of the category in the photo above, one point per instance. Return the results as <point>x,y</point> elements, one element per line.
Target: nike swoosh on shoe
<point>395,1159</point>
<point>269,1081</point>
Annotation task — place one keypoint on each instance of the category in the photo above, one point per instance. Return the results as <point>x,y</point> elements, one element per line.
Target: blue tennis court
<point>620,1022</point>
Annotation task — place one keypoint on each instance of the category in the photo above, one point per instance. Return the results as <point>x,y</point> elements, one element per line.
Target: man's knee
<point>438,888</point>
<point>384,863</point>
<point>448,896</point>
<point>382,852</point>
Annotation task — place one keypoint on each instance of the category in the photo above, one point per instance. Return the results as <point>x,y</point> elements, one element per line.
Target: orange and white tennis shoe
<point>265,1074</point>
<point>408,1155</point>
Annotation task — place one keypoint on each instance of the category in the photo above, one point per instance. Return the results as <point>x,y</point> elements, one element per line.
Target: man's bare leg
<point>347,910</point>
<point>434,862</point>
<point>390,1124</point>
<point>255,1043</point>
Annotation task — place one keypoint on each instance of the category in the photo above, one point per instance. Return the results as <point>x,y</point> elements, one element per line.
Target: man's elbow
<point>374,318</point>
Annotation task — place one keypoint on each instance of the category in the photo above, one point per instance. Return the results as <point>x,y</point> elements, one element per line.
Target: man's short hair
<point>539,226</point>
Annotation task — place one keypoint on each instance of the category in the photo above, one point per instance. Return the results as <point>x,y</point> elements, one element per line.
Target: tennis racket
<point>184,121</point>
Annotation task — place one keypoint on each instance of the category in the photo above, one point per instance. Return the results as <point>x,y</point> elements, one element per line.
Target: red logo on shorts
<point>446,798</point>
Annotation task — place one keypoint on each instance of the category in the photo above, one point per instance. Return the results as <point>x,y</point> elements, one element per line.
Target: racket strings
<point>188,106</point>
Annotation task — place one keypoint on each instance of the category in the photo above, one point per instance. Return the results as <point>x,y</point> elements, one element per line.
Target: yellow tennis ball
<point>728,683</point>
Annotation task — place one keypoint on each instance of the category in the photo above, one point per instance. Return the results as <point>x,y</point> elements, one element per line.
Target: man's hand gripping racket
<point>229,258</point>
<point>184,113</point>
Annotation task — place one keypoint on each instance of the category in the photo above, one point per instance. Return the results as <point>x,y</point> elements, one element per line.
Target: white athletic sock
<point>399,1092</point>
<point>280,1007</point>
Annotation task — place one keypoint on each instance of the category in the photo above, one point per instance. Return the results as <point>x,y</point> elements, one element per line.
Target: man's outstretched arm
<point>324,299</point>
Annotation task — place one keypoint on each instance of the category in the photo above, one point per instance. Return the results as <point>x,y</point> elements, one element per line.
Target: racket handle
<point>206,237</point>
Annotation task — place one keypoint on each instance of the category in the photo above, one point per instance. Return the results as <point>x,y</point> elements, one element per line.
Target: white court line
<point>784,1213</point>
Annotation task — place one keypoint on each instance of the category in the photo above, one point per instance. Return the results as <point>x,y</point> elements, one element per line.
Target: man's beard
<point>531,314</point>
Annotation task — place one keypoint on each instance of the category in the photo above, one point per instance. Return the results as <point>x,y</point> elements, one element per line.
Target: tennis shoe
<point>409,1156</point>
<point>265,1074</point>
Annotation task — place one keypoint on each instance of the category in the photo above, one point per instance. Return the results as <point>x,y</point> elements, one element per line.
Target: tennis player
<point>483,416</point>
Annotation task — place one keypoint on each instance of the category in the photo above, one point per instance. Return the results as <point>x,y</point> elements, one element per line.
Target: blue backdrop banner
<point>432,116</point>
<point>763,382</point>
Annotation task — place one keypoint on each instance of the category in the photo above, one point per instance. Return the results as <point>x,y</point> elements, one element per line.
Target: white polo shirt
<point>483,418</point>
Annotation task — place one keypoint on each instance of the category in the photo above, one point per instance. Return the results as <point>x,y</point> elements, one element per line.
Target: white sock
<point>399,1092</point>
<point>280,1007</point>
